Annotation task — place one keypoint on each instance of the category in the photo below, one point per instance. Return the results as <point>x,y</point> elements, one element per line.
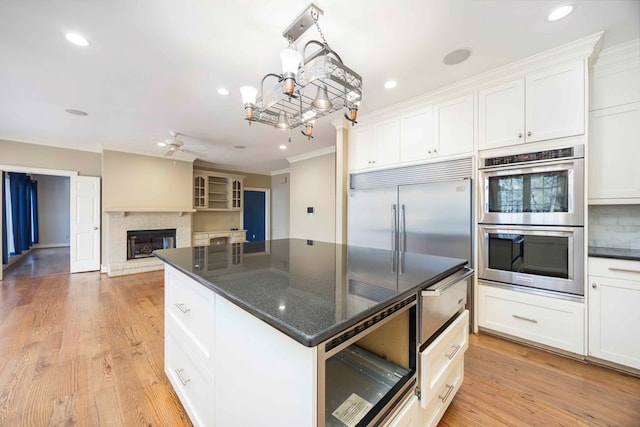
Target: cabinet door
<point>416,135</point>
<point>361,148</point>
<point>614,153</point>
<point>387,142</point>
<point>199,191</point>
<point>501,115</point>
<point>613,320</point>
<point>555,105</point>
<point>453,126</point>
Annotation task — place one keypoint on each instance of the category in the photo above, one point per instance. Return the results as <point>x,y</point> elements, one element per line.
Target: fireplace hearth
<point>141,243</point>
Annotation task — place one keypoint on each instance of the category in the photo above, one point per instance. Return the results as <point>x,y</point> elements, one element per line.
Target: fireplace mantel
<point>127,211</point>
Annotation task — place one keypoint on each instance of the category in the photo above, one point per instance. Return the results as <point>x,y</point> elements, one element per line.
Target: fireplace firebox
<point>141,243</point>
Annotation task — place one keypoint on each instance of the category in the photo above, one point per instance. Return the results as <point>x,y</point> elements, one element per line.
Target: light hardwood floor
<point>86,350</point>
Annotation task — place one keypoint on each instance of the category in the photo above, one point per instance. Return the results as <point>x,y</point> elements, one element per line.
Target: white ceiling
<point>154,65</point>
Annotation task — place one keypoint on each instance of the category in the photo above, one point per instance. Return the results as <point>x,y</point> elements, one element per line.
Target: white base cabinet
<point>441,375</point>
<point>614,311</point>
<point>540,319</point>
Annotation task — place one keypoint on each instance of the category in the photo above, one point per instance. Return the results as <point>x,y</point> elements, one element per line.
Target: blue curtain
<point>20,186</point>
<point>5,246</point>
<point>33,193</point>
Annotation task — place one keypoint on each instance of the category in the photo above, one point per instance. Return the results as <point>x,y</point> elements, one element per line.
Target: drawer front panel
<point>447,350</point>
<point>549,321</point>
<point>191,381</point>
<point>615,268</point>
<point>447,389</point>
<point>190,306</point>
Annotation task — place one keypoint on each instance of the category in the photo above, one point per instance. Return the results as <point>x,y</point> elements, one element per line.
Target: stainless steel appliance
<point>441,304</point>
<point>542,257</point>
<point>531,221</point>
<point>428,218</point>
<point>535,188</point>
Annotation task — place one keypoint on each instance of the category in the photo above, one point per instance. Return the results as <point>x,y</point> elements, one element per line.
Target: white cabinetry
<point>189,317</point>
<point>442,370</point>
<point>203,238</point>
<point>544,105</point>
<point>409,414</point>
<point>416,135</point>
<point>375,145</point>
<point>217,192</point>
<point>453,127</point>
<point>614,299</point>
<point>614,175</point>
<point>541,319</point>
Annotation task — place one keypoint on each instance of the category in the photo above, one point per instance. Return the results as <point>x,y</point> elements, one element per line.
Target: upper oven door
<point>540,194</point>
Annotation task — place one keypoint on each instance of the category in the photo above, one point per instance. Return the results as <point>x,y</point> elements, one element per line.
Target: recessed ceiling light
<point>77,39</point>
<point>561,12</point>
<point>283,147</point>
<point>457,56</point>
<point>162,144</point>
<point>224,92</point>
<point>390,84</point>
<point>77,112</point>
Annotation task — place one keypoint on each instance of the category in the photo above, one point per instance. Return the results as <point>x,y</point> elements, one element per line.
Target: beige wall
<point>280,196</point>
<point>313,184</point>
<point>136,181</point>
<point>41,156</point>
<point>53,210</point>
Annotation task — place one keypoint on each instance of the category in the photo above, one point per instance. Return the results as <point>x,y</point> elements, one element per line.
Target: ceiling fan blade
<point>169,153</point>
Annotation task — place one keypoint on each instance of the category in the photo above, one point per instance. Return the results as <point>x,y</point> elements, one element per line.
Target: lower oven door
<point>540,257</point>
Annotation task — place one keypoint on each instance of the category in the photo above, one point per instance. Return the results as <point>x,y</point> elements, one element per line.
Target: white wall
<point>53,210</point>
<point>313,184</point>
<point>280,195</point>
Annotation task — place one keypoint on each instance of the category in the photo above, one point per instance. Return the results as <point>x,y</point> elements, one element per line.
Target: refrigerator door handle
<point>394,232</point>
<point>402,240</point>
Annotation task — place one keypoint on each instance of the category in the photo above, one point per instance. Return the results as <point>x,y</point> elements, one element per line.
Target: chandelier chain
<point>314,15</point>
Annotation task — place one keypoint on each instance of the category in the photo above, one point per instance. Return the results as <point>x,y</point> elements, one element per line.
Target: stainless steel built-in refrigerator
<point>432,218</point>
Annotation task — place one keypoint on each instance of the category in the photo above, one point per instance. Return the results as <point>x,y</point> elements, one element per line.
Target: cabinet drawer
<point>614,268</point>
<point>440,355</point>
<point>447,389</point>
<point>190,307</point>
<point>545,320</point>
<point>408,414</point>
<point>191,381</point>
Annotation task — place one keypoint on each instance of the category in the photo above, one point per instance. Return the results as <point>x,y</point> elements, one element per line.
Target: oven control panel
<point>559,153</point>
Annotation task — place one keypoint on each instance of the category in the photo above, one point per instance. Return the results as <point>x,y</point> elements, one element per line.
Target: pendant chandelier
<point>310,86</point>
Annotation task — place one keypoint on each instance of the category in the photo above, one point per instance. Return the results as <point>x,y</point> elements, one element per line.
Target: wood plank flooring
<point>87,350</point>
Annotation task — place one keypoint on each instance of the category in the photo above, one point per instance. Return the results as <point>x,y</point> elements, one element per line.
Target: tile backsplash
<point>614,226</point>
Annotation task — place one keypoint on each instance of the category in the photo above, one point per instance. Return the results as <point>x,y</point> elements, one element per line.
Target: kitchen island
<point>265,333</point>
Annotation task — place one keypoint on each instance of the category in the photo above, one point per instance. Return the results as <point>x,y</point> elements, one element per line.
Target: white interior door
<point>85,223</point>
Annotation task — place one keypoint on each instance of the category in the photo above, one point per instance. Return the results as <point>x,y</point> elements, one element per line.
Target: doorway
<point>256,213</point>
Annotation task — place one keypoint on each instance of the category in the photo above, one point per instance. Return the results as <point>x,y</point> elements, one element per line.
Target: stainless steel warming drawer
<point>442,301</point>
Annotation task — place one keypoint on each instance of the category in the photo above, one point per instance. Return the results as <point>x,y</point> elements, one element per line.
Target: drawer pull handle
<point>528,319</point>
<point>181,378</point>
<point>453,353</point>
<point>446,396</point>
<point>626,270</point>
<point>182,308</point>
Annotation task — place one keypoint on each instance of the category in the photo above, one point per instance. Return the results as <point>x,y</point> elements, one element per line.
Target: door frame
<point>267,209</point>
<point>36,171</point>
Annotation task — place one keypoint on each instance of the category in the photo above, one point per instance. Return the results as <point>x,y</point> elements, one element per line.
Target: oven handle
<point>534,229</point>
<point>531,167</point>
<point>442,286</point>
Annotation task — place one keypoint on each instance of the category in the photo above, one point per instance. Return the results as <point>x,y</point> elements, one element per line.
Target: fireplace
<point>141,243</point>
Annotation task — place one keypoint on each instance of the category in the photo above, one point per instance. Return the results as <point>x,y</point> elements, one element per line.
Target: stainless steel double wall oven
<point>531,220</point>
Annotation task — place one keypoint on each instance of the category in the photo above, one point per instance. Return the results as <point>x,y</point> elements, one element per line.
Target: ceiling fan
<point>173,144</point>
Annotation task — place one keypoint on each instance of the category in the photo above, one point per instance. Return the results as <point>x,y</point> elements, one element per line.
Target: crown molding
<point>280,172</point>
<point>312,154</point>
<point>614,55</point>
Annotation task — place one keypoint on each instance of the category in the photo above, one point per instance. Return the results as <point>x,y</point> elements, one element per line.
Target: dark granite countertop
<point>308,290</point>
<point>616,253</point>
